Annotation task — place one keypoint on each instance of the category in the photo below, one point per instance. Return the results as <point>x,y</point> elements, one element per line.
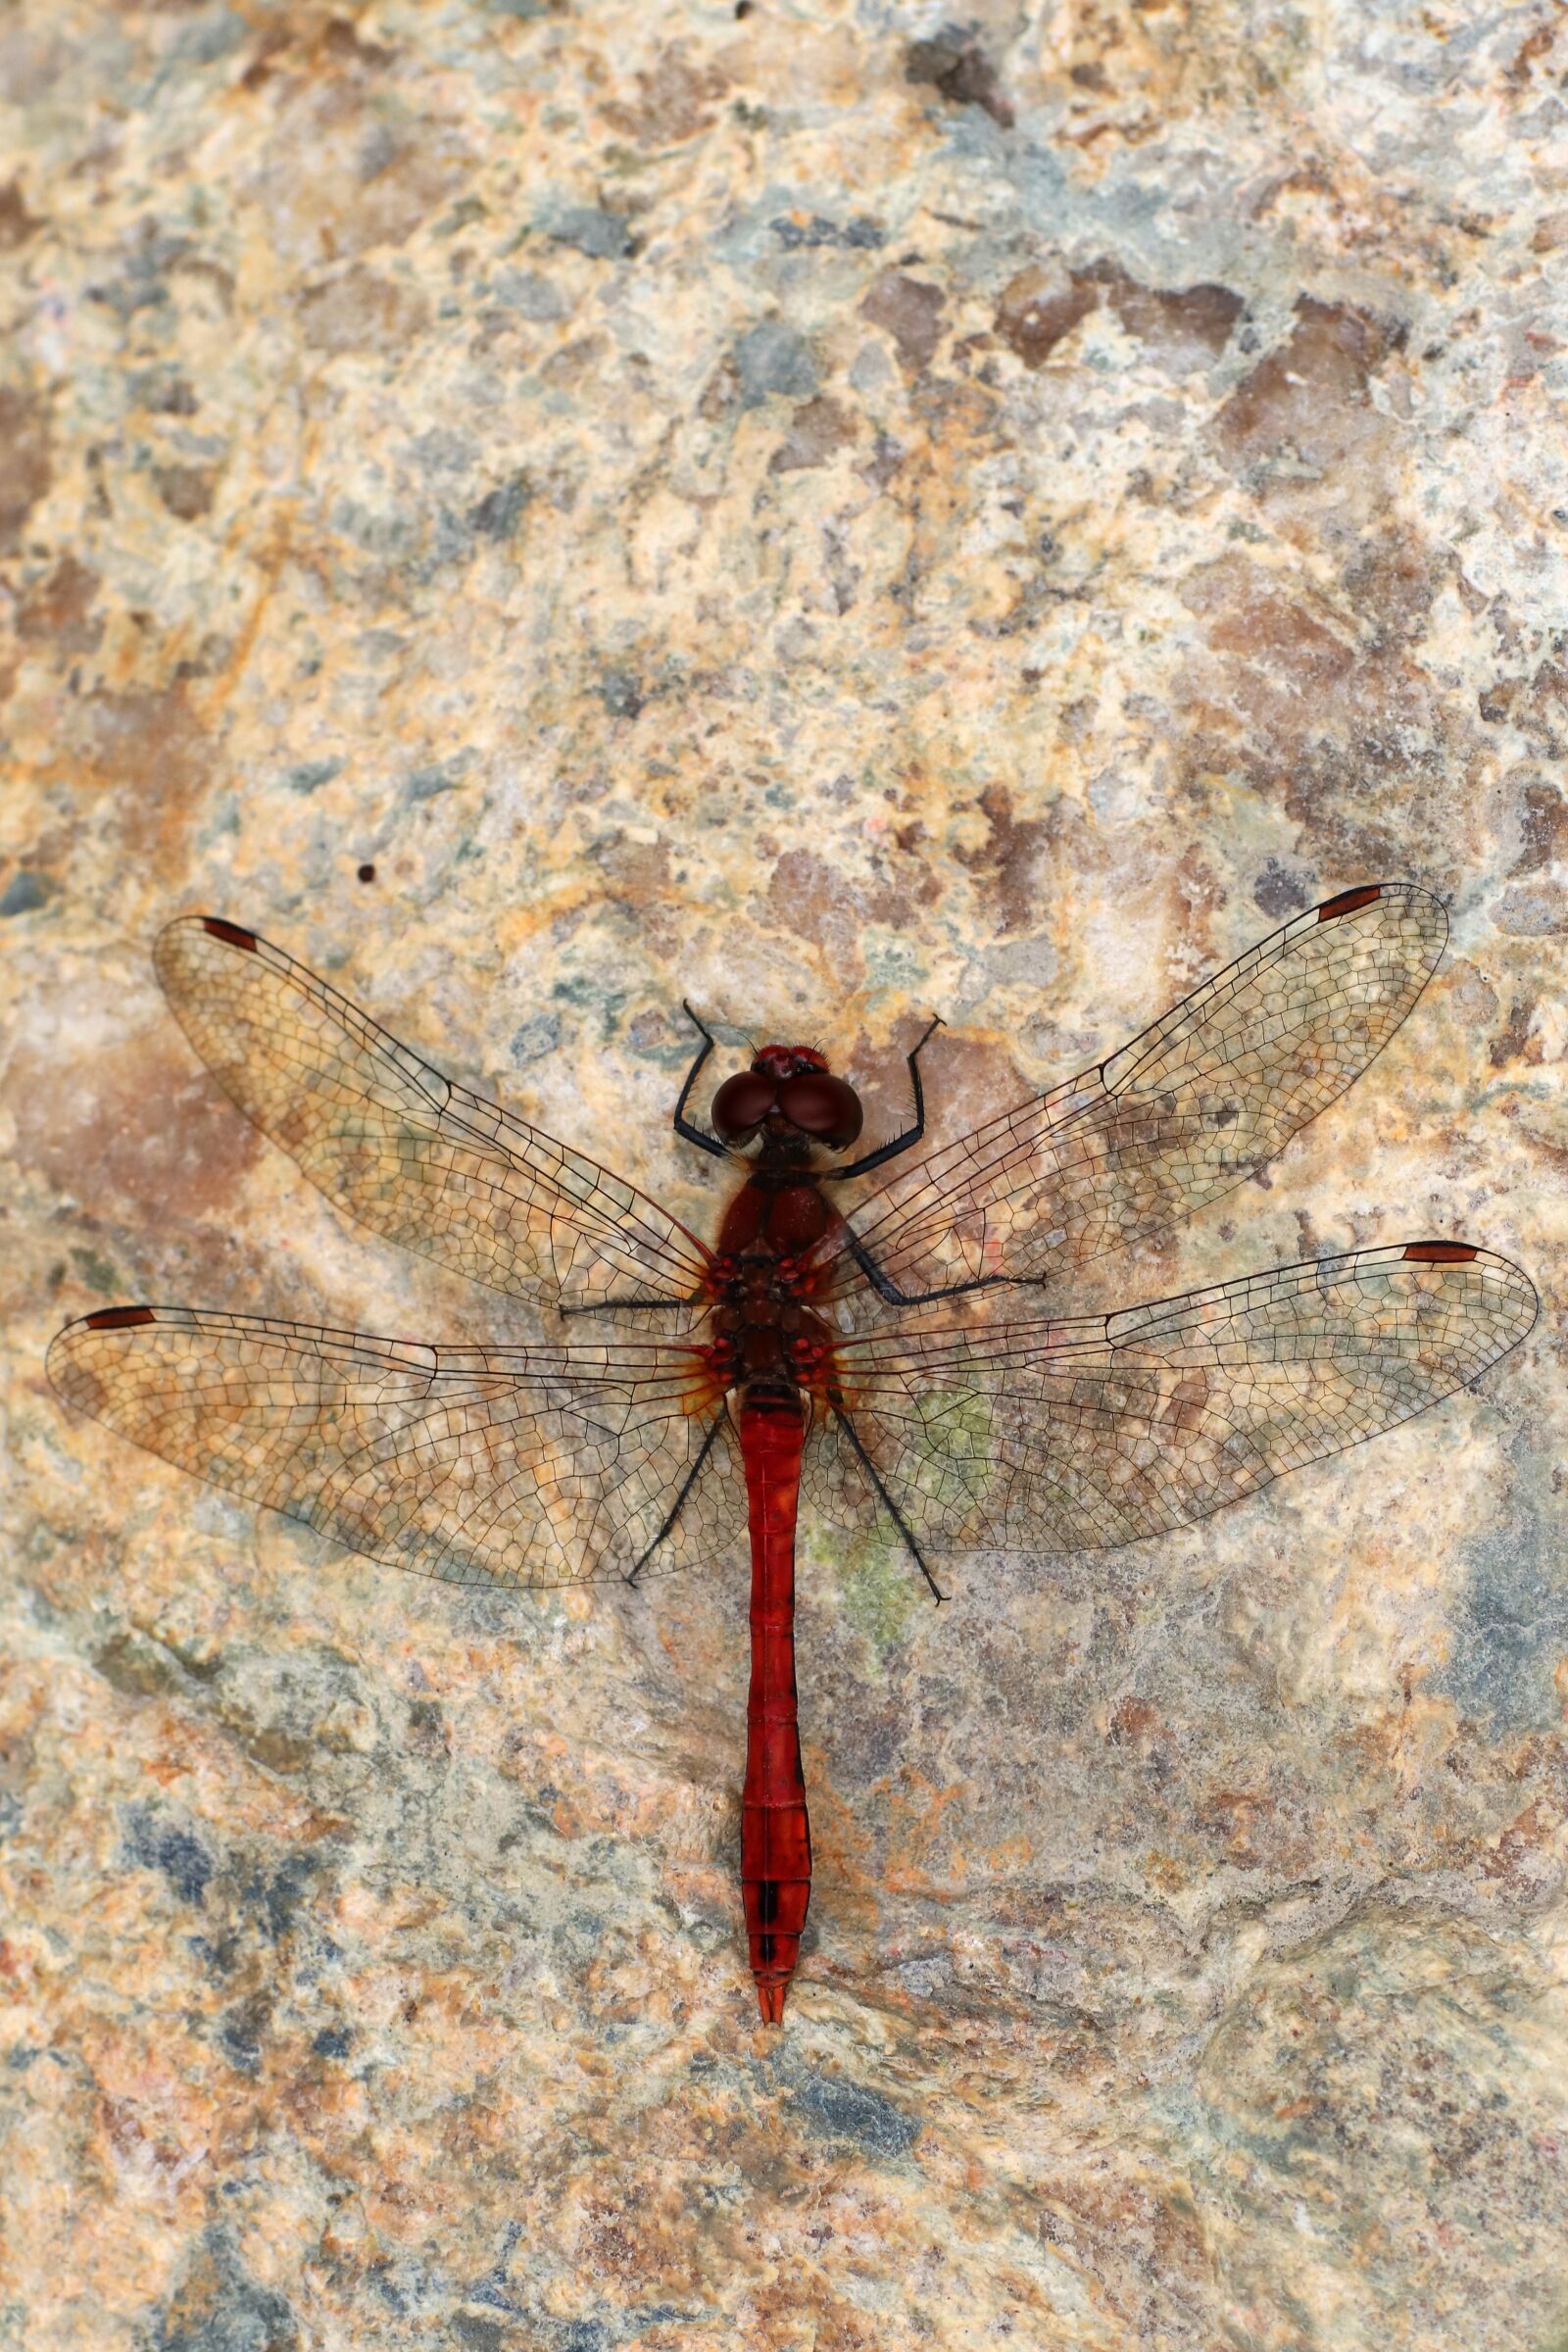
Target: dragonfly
<point>896,1358</point>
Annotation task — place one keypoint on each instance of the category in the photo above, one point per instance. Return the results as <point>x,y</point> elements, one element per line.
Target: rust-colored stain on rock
<point>26,471</point>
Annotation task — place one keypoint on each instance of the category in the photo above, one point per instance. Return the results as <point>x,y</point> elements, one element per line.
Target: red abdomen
<point>775,1835</point>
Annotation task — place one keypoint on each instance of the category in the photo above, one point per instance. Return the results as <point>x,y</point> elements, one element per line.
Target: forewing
<point>511,1468</point>
<point>1087,1432</point>
<point>1177,1118</point>
<point>404,1149</point>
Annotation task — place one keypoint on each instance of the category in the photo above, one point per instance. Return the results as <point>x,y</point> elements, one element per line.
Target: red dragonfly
<point>895,1359</point>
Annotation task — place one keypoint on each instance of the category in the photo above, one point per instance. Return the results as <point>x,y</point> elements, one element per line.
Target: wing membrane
<point>403,1149</point>
<point>526,1468</point>
<point>510,1467</point>
<point>1088,1432</point>
<point>1181,1116</point>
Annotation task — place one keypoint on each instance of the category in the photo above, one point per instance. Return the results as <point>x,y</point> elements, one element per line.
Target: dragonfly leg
<point>887,1290</point>
<point>600,1307</point>
<point>910,1134</point>
<point>682,1124</point>
<point>891,1508</point>
<point>675,1511</point>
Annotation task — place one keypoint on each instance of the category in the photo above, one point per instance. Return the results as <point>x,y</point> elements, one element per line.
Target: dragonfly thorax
<point>765,1339</point>
<point>779,1213</point>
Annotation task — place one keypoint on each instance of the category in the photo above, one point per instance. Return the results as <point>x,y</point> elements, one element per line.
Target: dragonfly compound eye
<point>824,1106</point>
<point>742,1103</point>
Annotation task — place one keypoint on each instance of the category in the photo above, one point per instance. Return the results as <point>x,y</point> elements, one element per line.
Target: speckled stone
<point>843,512</point>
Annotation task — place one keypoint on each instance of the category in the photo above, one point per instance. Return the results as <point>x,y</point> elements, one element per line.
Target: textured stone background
<point>846,516</point>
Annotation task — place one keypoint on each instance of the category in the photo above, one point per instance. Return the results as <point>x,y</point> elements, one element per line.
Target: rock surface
<point>542,509</point>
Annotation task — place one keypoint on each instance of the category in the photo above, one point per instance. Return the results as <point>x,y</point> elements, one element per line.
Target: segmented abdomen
<point>775,1832</point>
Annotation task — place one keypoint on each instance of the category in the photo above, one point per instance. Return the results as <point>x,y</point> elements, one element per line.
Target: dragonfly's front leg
<point>682,1124</point>
<point>899,1143</point>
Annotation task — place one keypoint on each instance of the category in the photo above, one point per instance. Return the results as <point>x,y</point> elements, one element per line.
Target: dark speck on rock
<point>163,391</point>
<point>140,288</point>
<point>622,693</point>
<point>500,510</point>
<point>25,893</point>
<point>333,2041</point>
<point>218,2307</point>
<point>241,2041</point>
<point>283,1893</point>
<point>847,2111</point>
<point>463,214</point>
<point>859,232</point>
<point>603,236</point>
<point>185,490</point>
<point>151,1844</point>
<point>311,774</point>
<point>771,358</point>
<point>1280,892</point>
<point>218,1956</point>
<point>953,62</point>
<point>478,2335</point>
<point>442,775</point>
<point>538,1036</point>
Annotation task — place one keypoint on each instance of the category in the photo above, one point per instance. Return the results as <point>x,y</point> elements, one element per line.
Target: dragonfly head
<point>789,1091</point>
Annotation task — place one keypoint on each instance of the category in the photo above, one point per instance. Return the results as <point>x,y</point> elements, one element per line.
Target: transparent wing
<point>507,1467</point>
<point>1177,1118</point>
<point>404,1149</point>
<point>1086,1431</point>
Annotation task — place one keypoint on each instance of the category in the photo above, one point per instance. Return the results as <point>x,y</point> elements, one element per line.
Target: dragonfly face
<point>726,1382</point>
<point>790,1096</point>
